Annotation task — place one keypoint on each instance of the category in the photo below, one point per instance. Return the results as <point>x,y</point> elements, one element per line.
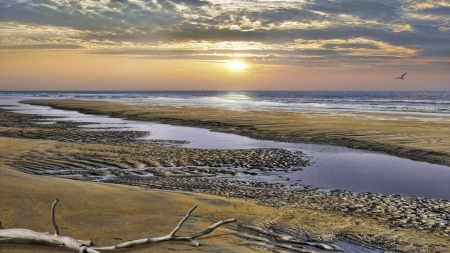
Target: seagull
<point>401,77</point>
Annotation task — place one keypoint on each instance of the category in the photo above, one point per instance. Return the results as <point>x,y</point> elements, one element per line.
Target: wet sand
<point>113,213</point>
<point>425,138</point>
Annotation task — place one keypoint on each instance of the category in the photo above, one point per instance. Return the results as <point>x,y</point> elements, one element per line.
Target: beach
<point>113,212</point>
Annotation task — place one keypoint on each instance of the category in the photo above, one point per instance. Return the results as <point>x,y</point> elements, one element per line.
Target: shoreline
<point>400,136</point>
<point>384,221</point>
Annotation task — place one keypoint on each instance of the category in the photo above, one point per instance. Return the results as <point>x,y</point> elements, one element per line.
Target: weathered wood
<point>30,236</point>
<point>26,235</point>
<point>53,217</point>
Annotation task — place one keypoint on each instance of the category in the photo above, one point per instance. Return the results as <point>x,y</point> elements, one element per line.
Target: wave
<point>437,102</point>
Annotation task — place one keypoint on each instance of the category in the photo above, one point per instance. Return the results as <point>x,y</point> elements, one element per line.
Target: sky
<point>224,45</point>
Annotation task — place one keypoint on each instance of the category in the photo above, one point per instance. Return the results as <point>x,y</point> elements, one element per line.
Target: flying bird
<point>401,77</point>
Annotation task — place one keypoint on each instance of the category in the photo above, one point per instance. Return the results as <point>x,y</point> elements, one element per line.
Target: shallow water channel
<point>332,167</point>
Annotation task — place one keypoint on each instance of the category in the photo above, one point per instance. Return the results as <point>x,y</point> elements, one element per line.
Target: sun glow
<point>237,65</point>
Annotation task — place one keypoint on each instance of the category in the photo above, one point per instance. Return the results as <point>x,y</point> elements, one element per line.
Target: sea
<point>331,167</point>
<point>414,102</point>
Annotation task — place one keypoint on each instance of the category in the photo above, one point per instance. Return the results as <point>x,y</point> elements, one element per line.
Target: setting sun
<point>237,65</point>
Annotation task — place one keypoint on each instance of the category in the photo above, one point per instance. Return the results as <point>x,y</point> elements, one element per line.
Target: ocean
<point>414,102</point>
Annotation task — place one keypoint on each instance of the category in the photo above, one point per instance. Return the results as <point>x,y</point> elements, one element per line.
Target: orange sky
<point>73,71</point>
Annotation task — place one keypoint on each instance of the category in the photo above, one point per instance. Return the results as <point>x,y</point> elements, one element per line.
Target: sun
<point>237,65</point>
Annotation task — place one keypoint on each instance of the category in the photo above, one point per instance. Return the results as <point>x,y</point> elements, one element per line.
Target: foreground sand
<point>424,138</point>
<point>110,214</point>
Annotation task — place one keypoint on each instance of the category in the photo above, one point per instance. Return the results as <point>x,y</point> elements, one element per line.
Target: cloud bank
<point>316,32</point>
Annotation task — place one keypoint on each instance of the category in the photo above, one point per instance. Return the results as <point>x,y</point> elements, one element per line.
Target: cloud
<point>192,3</point>
<point>94,17</point>
<point>310,52</point>
<point>382,10</point>
<point>363,30</point>
<point>439,10</point>
<point>39,47</point>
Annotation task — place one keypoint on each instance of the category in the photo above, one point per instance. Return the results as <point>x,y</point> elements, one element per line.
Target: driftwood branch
<point>29,236</point>
<point>53,217</point>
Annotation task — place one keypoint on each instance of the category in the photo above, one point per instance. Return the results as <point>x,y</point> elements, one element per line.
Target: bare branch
<point>214,226</point>
<point>26,235</point>
<point>53,217</point>
<point>29,236</point>
<point>183,220</point>
<point>171,236</point>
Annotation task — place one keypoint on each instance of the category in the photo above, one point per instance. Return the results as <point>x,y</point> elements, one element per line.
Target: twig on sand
<point>30,236</point>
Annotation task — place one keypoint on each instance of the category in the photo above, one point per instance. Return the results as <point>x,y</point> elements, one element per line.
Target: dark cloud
<point>40,47</point>
<point>439,10</point>
<point>284,14</point>
<point>155,52</point>
<point>95,19</point>
<point>64,16</point>
<point>442,51</point>
<point>382,10</point>
<point>303,57</point>
<point>351,45</point>
<point>192,3</point>
<point>47,2</point>
<point>118,3</point>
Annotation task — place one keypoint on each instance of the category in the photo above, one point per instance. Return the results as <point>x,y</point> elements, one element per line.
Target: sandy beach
<point>128,208</point>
